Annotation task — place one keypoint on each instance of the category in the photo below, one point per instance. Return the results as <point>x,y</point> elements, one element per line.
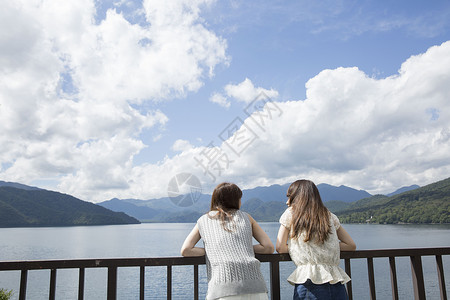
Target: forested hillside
<point>20,208</point>
<point>429,204</point>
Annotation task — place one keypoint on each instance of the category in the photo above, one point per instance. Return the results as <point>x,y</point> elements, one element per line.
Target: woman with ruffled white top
<point>315,241</point>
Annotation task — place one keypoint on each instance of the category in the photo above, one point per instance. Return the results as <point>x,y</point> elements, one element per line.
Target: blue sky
<point>281,45</point>
<point>103,99</point>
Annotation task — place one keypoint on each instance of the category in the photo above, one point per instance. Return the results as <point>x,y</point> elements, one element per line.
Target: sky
<point>103,99</point>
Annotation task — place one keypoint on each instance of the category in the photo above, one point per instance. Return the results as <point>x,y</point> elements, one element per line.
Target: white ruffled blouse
<point>317,262</point>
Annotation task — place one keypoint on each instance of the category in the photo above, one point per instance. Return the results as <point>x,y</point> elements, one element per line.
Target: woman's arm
<point>282,238</point>
<point>188,248</point>
<point>346,242</point>
<point>265,245</point>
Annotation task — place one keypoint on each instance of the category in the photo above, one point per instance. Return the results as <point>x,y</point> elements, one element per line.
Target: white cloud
<point>71,86</point>
<point>181,145</point>
<point>374,134</point>
<point>70,89</point>
<point>220,99</point>
<point>247,92</point>
<point>363,132</point>
<point>244,92</point>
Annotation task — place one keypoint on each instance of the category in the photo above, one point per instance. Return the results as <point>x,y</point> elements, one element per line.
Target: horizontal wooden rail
<point>112,265</point>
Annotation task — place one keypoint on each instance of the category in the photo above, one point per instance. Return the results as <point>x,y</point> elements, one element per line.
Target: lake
<point>156,240</point>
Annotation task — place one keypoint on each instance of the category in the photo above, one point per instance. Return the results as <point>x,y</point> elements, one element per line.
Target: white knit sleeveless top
<point>231,265</point>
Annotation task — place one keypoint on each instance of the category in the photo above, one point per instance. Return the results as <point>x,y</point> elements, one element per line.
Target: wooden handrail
<point>112,264</point>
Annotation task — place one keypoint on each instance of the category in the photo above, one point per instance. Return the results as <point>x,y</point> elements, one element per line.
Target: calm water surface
<point>156,240</point>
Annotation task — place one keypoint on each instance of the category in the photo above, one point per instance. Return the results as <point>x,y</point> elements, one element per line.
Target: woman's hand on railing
<point>282,238</point>
<point>346,242</point>
<point>196,251</point>
<point>265,245</point>
<point>261,249</point>
<point>188,248</point>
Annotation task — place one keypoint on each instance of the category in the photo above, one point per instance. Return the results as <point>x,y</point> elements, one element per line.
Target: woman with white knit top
<point>227,234</point>
<point>315,240</point>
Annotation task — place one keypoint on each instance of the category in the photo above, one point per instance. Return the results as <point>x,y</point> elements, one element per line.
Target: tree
<point>5,294</point>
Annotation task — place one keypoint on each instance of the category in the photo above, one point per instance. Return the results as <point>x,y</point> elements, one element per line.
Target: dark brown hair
<point>226,200</point>
<point>309,214</point>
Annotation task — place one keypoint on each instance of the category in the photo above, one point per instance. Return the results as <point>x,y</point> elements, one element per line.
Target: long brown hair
<point>226,200</point>
<point>309,213</point>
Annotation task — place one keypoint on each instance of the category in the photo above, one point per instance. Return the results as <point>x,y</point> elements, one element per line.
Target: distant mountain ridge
<point>25,207</point>
<point>327,193</point>
<point>404,189</point>
<point>265,204</point>
<point>18,185</point>
<point>337,205</point>
<point>342,193</point>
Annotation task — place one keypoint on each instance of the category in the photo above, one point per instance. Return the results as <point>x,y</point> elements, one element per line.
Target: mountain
<point>162,210</point>
<point>18,185</point>
<point>336,205</point>
<point>428,204</point>
<point>404,189</point>
<point>264,211</point>
<point>139,212</point>
<point>35,207</point>
<point>274,192</point>
<point>342,193</point>
<point>263,203</point>
<point>44,208</point>
<point>327,193</point>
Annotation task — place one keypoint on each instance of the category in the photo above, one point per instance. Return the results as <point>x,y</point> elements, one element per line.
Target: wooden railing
<point>274,260</point>
<point>415,256</point>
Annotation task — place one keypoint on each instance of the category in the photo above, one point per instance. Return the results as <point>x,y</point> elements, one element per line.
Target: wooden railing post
<point>196,282</point>
<point>348,270</point>
<point>81,284</point>
<point>112,283</point>
<point>393,278</point>
<point>373,295</point>
<point>52,293</point>
<point>169,282</point>
<point>440,271</point>
<point>417,277</point>
<point>23,284</point>
<point>275,279</point>
<point>142,283</point>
